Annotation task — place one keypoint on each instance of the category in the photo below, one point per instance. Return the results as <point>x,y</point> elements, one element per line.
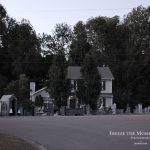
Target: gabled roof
<point>73,72</point>
<point>40,90</point>
<point>6,97</point>
<point>105,73</point>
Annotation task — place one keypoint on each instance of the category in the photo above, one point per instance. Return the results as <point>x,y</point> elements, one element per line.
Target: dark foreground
<point>9,142</point>
<point>82,133</point>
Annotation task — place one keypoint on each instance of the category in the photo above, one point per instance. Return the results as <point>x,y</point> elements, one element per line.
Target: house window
<point>103,85</point>
<point>104,102</point>
<point>74,85</point>
<point>72,82</point>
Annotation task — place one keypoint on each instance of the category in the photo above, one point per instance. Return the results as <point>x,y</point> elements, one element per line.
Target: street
<point>105,132</point>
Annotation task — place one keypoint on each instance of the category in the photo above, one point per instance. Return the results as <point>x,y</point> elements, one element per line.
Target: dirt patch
<point>9,142</point>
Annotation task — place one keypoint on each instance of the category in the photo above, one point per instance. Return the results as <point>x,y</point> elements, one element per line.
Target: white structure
<point>140,109</point>
<point>41,92</point>
<point>8,104</point>
<point>47,101</point>
<point>106,96</point>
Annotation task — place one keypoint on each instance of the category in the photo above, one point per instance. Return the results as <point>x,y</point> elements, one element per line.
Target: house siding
<point>43,93</point>
<point>108,101</point>
<point>108,86</point>
<point>107,90</point>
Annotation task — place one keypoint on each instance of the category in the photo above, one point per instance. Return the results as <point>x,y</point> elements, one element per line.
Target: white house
<point>47,101</point>
<point>41,92</point>
<point>74,75</point>
<point>106,96</point>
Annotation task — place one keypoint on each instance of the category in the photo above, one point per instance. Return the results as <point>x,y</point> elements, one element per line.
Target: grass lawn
<point>9,142</point>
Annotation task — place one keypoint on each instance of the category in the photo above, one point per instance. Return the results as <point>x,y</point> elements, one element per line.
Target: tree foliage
<point>79,46</point>
<point>92,80</point>
<point>57,83</point>
<point>21,90</point>
<point>39,101</point>
<point>122,45</point>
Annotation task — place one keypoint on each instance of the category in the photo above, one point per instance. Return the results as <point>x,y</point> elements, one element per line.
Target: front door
<point>72,103</point>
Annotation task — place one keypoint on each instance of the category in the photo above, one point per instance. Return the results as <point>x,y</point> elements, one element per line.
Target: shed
<point>8,104</point>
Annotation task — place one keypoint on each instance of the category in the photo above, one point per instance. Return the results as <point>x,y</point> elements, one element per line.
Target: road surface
<point>108,132</point>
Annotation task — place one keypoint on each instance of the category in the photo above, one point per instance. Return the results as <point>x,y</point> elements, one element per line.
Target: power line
<point>72,10</point>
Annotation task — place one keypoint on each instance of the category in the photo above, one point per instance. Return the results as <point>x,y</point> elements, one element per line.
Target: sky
<point>45,14</point>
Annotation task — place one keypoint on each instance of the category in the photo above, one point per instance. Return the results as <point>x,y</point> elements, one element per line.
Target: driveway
<point>108,132</point>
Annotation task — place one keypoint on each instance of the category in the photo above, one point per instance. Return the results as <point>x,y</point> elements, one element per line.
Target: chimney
<point>32,88</point>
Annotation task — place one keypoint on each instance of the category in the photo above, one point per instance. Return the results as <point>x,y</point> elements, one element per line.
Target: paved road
<point>81,133</point>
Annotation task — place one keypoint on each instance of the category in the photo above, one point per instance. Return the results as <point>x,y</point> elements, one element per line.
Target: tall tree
<point>24,90</point>
<point>4,55</point>
<point>57,83</point>
<point>24,49</point>
<point>108,38</point>
<point>92,80</point>
<point>21,90</point>
<point>60,39</point>
<point>103,36</point>
<point>138,62</point>
<point>79,46</point>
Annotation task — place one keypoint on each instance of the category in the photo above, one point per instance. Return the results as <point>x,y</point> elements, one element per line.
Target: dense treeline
<point>123,45</point>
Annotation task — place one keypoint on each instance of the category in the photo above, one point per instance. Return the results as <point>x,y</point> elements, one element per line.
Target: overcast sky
<point>44,14</point>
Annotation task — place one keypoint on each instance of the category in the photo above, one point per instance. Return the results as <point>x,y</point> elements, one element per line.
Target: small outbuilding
<point>8,105</point>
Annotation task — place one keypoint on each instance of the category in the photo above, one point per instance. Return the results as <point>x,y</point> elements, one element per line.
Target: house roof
<point>40,90</point>
<point>73,72</point>
<point>6,97</point>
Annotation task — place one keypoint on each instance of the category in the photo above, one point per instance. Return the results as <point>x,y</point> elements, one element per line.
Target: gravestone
<point>140,111</point>
<point>113,109</point>
<point>145,110</point>
<point>19,112</point>
<point>49,108</point>
<point>120,111</point>
<point>63,110</point>
<point>128,109</point>
<point>87,109</point>
<point>10,112</point>
<point>148,109</point>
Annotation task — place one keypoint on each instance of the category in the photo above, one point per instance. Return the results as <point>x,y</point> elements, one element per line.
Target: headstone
<point>145,110</point>
<point>128,109</point>
<point>87,109</point>
<point>140,111</point>
<point>84,109</point>
<point>63,110</point>
<point>114,109</point>
<point>148,109</point>
<point>19,112</point>
<point>10,112</point>
<point>50,109</point>
<point>120,111</point>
